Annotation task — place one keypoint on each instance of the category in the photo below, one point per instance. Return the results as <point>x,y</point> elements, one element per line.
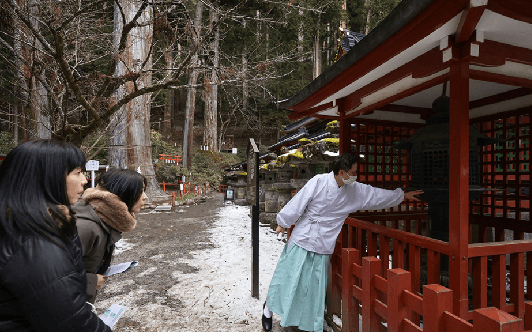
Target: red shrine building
<point>437,97</point>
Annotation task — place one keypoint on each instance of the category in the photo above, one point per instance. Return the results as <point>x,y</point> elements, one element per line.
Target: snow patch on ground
<point>223,282</point>
<point>146,272</point>
<point>216,297</point>
<point>121,246</point>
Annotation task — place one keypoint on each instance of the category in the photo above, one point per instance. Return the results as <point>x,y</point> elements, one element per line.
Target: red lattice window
<point>505,166</point>
<point>385,167</point>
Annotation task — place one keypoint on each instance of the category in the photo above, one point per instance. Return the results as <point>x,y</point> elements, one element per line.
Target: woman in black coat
<point>42,280</point>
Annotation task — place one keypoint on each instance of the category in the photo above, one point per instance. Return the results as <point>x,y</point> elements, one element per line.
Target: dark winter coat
<point>100,217</point>
<point>43,286</point>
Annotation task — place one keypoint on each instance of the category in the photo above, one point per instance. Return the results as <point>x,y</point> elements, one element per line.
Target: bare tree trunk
<point>33,95</point>
<point>131,141</point>
<point>257,111</point>
<point>39,106</point>
<point>188,132</point>
<point>167,123</point>
<point>20,85</point>
<point>316,68</point>
<point>39,95</point>
<point>176,100</point>
<point>223,128</point>
<point>117,142</point>
<point>327,44</point>
<point>368,16</point>
<point>211,92</point>
<point>15,123</point>
<point>300,38</point>
<point>245,91</point>
<point>21,68</point>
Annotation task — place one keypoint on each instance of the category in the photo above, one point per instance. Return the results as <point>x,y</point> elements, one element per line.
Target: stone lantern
<point>270,197</point>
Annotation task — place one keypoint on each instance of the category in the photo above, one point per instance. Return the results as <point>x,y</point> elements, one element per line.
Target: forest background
<point>127,80</point>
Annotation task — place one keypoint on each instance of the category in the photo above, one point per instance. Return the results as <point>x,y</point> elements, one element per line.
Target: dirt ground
<point>159,243</point>
<point>160,292</point>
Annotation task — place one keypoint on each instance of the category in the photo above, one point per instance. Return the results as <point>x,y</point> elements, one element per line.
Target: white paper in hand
<point>111,315</point>
<point>119,268</point>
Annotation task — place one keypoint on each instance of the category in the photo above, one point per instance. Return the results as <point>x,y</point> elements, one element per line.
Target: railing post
<point>398,261</point>
<point>371,266</point>
<point>433,267</point>
<point>528,315</point>
<point>398,281</point>
<point>498,281</point>
<point>492,319</point>
<point>480,282</point>
<point>350,309</point>
<point>517,281</point>
<point>436,300</point>
<point>384,253</point>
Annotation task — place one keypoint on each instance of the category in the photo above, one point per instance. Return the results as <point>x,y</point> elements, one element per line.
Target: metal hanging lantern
<point>429,148</point>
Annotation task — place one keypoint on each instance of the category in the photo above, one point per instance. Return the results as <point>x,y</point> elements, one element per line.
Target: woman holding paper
<point>102,215</point>
<point>42,279</point>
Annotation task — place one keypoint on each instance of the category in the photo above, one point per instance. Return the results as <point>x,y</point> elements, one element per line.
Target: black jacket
<point>43,287</point>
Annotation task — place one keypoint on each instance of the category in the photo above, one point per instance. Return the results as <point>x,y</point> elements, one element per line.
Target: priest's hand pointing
<point>412,194</point>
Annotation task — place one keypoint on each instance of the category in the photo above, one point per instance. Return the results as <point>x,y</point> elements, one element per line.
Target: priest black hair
<point>344,162</point>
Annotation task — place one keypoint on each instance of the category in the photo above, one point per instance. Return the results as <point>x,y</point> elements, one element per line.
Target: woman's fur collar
<point>110,209</point>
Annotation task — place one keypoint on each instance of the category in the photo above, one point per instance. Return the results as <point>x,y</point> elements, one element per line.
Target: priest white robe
<point>321,207</point>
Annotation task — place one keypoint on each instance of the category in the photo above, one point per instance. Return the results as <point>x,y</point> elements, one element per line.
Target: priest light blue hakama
<point>297,288</point>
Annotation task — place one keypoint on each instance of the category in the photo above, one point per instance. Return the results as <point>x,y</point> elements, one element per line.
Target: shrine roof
<point>399,68</point>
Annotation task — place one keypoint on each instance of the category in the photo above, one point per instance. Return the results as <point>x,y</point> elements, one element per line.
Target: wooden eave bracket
<point>469,20</point>
<point>466,34</point>
<point>452,51</point>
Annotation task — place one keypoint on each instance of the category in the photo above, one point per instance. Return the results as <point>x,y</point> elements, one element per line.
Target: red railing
<point>421,256</point>
<point>188,189</point>
<point>387,302</point>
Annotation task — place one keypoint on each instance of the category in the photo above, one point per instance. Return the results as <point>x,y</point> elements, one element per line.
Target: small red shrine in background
<point>170,159</point>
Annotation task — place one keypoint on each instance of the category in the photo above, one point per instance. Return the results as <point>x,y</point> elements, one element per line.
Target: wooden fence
<point>498,271</point>
<point>388,303</point>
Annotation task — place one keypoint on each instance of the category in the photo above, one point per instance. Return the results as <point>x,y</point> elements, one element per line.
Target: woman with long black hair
<point>42,279</point>
<point>102,215</point>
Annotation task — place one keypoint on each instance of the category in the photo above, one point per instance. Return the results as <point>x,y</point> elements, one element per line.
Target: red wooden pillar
<point>459,178</point>
<point>345,128</point>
